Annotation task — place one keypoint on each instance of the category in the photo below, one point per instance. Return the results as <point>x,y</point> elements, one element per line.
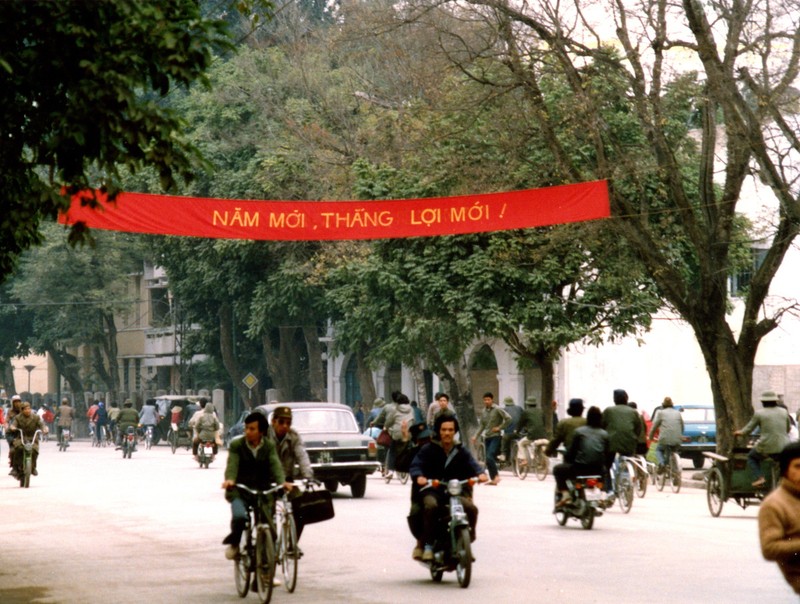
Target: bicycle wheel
<point>480,452</point>
<point>714,491</point>
<point>101,436</point>
<point>289,553</point>
<point>675,467</point>
<point>241,569</point>
<point>403,476</point>
<point>641,482</point>
<point>661,477</point>
<point>625,491</point>
<point>173,440</point>
<point>520,461</point>
<point>541,463</point>
<point>463,557</point>
<point>265,564</point>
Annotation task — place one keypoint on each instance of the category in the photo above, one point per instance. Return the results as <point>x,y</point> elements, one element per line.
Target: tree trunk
<point>7,376</point>
<point>229,360</point>
<point>316,375</point>
<point>547,367</point>
<point>367,386</point>
<point>419,379</point>
<point>68,367</point>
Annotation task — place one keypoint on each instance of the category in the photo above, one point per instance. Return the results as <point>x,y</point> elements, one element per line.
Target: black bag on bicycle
<point>313,506</point>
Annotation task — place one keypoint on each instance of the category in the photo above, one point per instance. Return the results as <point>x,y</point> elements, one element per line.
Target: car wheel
<point>331,485</point>
<point>359,486</point>
<point>698,461</point>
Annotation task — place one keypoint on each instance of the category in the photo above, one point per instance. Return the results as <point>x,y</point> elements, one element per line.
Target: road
<point>96,528</point>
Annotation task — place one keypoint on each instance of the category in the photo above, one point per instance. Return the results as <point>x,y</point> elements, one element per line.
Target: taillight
<point>592,483</point>
<point>372,449</point>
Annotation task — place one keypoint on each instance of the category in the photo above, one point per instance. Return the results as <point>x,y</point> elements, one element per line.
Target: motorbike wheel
<point>587,520</point>
<point>542,465</point>
<point>289,553</point>
<point>714,491</point>
<point>463,557</point>
<point>265,565</point>
<point>241,572</point>
<point>25,481</point>
<point>561,514</point>
<point>436,574</point>
<point>677,479</point>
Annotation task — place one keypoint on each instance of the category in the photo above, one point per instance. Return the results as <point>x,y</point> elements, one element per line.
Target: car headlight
<point>454,486</point>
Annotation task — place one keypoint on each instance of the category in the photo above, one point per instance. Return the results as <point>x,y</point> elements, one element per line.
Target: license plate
<point>593,494</point>
<point>325,457</point>
<point>208,450</point>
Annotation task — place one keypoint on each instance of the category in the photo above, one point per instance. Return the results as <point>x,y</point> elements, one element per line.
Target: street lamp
<point>29,368</point>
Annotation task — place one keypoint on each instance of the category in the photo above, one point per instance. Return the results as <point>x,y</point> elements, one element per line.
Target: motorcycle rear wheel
<point>587,520</point>
<point>463,557</point>
<point>436,574</point>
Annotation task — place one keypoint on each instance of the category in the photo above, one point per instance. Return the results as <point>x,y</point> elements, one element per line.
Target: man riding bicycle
<point>668,423</point>
<point>624,425</point>
<point>252,461</point>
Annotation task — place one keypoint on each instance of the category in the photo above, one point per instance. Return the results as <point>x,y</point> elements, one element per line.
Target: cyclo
<point>730,478</point>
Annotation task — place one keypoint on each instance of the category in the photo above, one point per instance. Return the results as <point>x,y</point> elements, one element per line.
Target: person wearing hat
<point>669,425</point>
<point>531,423</point>
<point>565,430</point>
<point>292,453</point>
<point>206,429</point>
<point>779,518</point>
<point>65,416</point>
<point>16,409</point>
<point>773,423</point>
<point>25,423</point>
<point>510,431</point>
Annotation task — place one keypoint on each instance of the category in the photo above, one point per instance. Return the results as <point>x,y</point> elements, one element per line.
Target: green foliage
<point>81,89</point>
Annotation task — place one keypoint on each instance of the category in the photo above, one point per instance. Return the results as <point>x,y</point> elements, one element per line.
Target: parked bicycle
<point>527,455</point>
<point>257,555</point>
<point>670,471</point>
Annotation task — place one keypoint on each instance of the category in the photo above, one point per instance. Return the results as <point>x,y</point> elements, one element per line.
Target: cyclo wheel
<point>463,557</point>
<point>541,463</point>
<point>241,570</point>
<point>625,491</point>
<point>173,440</point>
<point>714,494</point>
<point>675,463</point>
<point>265,564</point>
<point>290,554</point>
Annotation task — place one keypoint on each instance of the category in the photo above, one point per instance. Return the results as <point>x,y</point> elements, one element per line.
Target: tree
<point>16,327</point>
<point>81,95</point>
<point>673,201</point>
<point>75,296</point>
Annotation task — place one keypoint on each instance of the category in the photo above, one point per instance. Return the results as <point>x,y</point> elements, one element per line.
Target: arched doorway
<point>483,376</point>
<point>352,387</point>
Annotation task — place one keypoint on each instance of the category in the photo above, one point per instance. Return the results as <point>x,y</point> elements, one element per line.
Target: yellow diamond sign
<point>250,381</point>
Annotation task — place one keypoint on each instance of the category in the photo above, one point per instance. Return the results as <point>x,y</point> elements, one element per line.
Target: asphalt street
<point>96,528</point>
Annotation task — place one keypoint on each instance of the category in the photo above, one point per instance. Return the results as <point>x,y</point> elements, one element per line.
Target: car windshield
<point>698,415</point>
<point>323,420</point>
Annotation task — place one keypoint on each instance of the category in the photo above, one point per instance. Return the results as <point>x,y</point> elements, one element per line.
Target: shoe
<point>565,500</point>
<point>427,555</point>
<point>231,552</point>
<point>290,553</point>
<point>276,582</point>
<point>501,458</point>
<point>416,554</point>
<point>494,481</point>
<point>760,482</point>
<point>35,472</point>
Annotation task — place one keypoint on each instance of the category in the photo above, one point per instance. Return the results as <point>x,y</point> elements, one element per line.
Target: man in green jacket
<point>252,461</point>
<point>624,426</point>
<point>493,422</point>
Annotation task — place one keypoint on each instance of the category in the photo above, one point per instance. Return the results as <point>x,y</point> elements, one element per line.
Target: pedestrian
<point>779,518</point>
<point>441,404</point>
<point>359,413</point>
<point>515,411</point>
<point>400,412</point>
<point>490,428</point>
<point>773,423</point>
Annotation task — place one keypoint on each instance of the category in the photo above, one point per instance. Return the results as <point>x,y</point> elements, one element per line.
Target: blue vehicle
<point>700,427</point>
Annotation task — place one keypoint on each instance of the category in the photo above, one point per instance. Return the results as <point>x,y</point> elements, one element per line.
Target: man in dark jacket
<point>586,455</point>
<point>128,417</point>
<point>252,461</point>
<point>624,426</point>
<point>443,460</point>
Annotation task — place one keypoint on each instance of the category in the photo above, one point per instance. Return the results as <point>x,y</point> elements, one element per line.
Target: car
<point>237,429</point>
<point>700,428</point>
<point>339,453</point>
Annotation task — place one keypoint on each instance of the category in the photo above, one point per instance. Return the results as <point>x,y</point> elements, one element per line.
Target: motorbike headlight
<point>454,486</point>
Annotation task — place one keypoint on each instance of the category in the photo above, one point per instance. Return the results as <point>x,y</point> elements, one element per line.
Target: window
<point>739,281</point>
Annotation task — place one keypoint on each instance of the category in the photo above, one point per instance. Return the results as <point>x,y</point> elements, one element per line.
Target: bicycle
<point>529,455</point>
<point>670,471</point>
<point>622,472</point>
<point>641,474</point>
<point>258,554</point>
<point>287,552</point>
<point>148,437</point>
<point>99,436</point>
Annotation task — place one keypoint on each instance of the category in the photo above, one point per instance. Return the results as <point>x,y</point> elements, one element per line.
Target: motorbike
<point>128,442</point>
<point>452,548</point>
<point>205,453</point>
<point>587,495</point>
<point>63,442</point>
<point>27,458</point>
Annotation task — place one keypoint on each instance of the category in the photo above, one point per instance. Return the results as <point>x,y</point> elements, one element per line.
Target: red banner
<point>328,220</point>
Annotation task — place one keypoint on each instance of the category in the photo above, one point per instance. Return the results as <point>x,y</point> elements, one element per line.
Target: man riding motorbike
<point>127,417</point>
<point>26,423</point>
<point>444,460</point>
